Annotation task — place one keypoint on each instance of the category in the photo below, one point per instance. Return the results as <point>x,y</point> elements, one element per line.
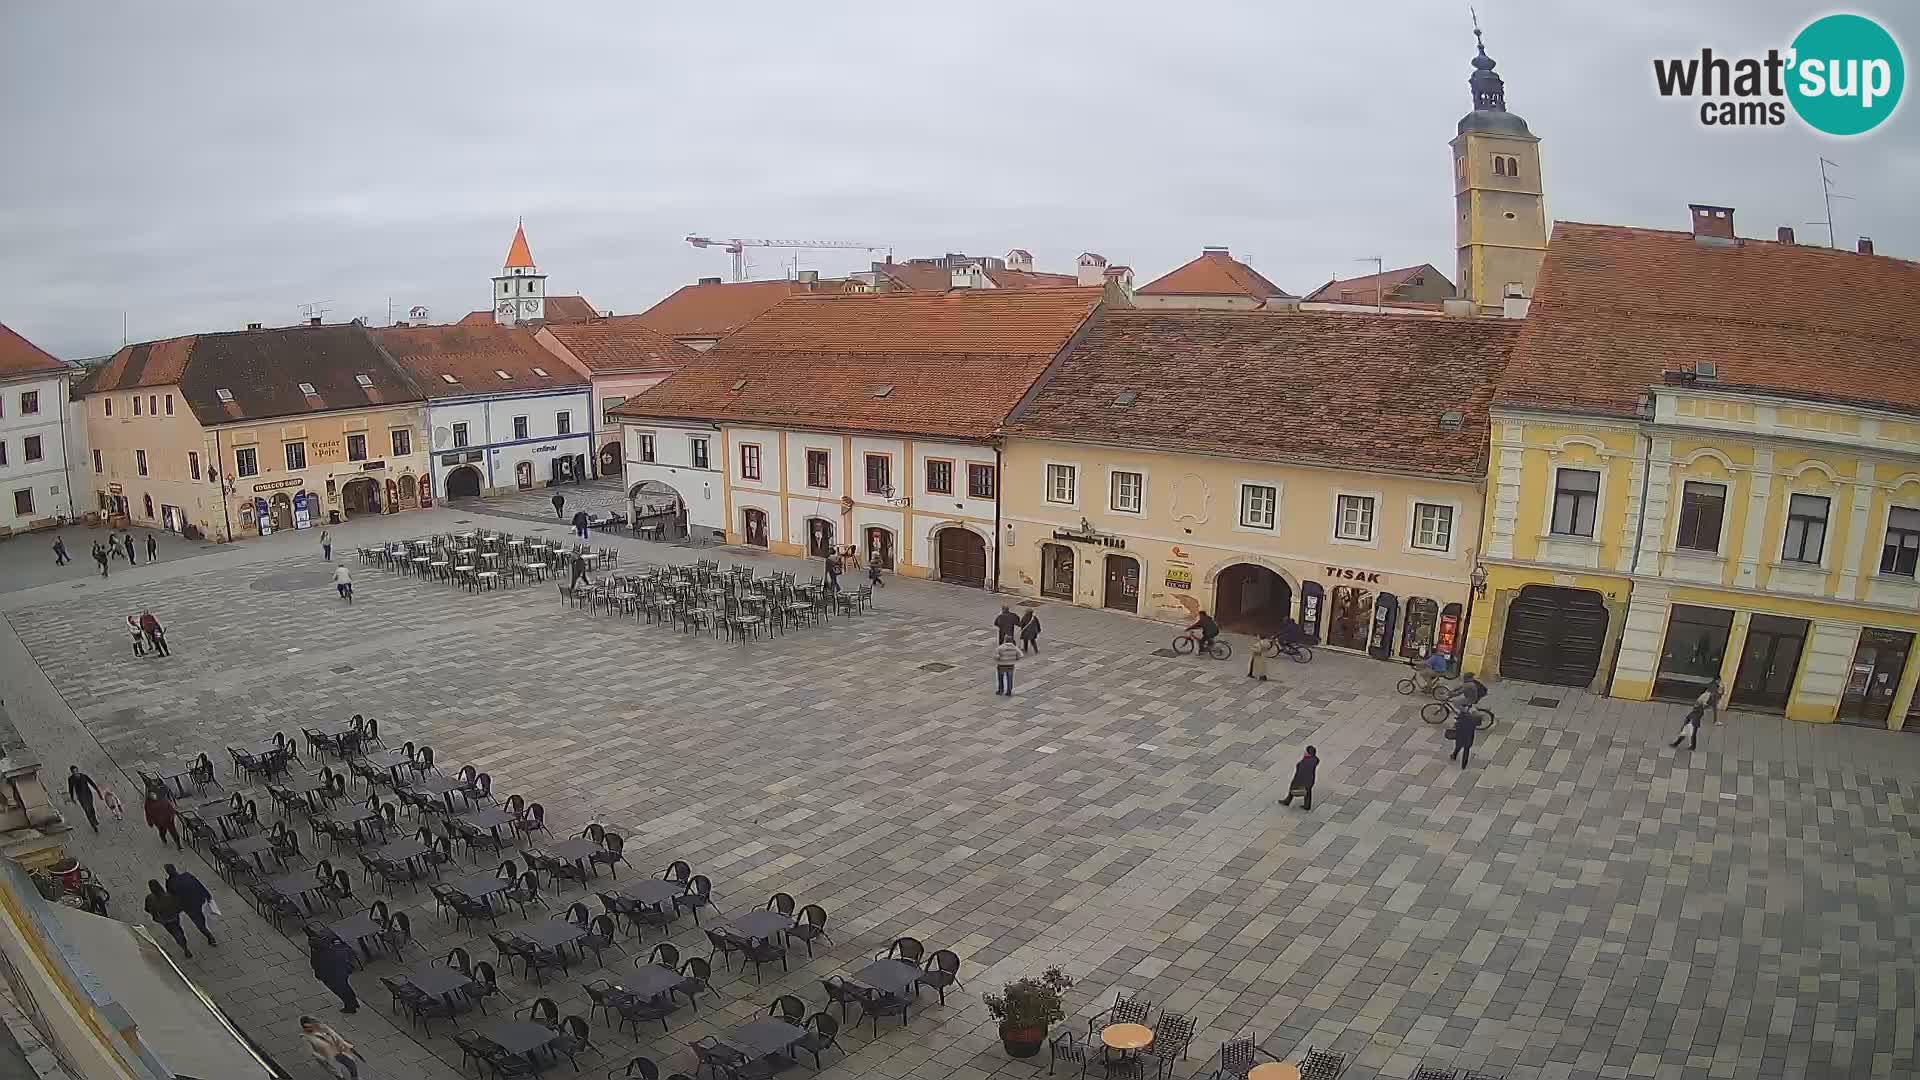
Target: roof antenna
<point>1828,194</point>
<point>1379,270</point>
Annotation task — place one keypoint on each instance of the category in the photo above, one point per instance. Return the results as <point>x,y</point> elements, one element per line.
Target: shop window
<point>1422,627</point>
<point>1695,648</point>
<point>1062,481</point>
<point>1902,551</point>
<point>1806,529</point>
<point>1873,680</point>
<point>1576,500</point>
<point>1703,507</point>
<point>939,477</point>
<point>982,481</point>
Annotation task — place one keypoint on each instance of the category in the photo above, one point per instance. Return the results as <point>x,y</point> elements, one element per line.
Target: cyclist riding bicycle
<point>1471,690</point>
<point>1208,631</point>
<point>1433,669</point>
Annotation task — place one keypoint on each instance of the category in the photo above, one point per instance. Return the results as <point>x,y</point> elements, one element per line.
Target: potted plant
<point>1027,1008</point>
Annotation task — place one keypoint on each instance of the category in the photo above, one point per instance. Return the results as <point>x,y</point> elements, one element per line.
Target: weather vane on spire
<point>1489,93</point>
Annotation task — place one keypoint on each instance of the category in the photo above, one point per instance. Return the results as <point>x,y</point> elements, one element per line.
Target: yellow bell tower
<point>1500,226</point>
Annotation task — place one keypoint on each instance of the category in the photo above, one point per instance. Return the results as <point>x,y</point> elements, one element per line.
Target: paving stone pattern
<point>1582,902</point>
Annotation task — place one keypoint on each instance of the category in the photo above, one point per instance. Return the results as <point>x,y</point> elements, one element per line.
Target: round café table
<point>1274,1070</point>
<point>1128,1037</point>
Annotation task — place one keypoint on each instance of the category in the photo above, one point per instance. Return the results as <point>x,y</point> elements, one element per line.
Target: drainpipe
<point>1633,568</point>
<point>226,504</point>
<point>998,547</point>
<point>66,451</point>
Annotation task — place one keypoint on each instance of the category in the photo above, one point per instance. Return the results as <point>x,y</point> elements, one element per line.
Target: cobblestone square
<point>1582,902</point>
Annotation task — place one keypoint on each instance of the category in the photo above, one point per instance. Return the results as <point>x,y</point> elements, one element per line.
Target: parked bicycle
<point>1186,643</point>
<point>1439,712</point>
<point>1276,648</point>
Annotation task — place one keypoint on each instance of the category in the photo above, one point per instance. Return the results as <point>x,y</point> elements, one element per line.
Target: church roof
<point>519,255</point>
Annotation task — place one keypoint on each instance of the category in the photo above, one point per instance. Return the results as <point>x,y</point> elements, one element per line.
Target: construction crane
<point>738,248</point>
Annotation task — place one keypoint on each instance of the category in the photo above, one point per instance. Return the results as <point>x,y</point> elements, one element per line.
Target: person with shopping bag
<point>330,1049</point>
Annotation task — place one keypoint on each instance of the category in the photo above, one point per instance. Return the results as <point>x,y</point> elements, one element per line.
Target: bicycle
<point>1439,712</point>
<point>1299,651</point>
<point>1433,685</point>
<point>1186,643</point>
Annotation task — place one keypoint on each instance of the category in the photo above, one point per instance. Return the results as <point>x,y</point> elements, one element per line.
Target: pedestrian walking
<point>1302,784</point>
<point>333,965</point>
<point>1690,727</point>
<point>100,556</point>
<point>156,634</point>
<point>326,545</point>
<point>114,806</point>
<point>873,575</point>
<point>113,545</point>
<point>343,582</point>
<point>194,900</point>
<point>579,571</point>
<point>129,540</point>
<point>1005,655</point>
<point>1006,622</point>
<point>342,1061</point>
<point>1257,661</point>
<point>153,548</point>
<point>558,502</point>
<point>1465,724</point>
<point>580,520</point>
<point>60,552</point>
<point>833,572</point>
<point>1710,699</point>
<point>139,636</point>
<point>165,910</point>
<point>162,816</point>
<point>82,789</point>
<point>1030,632</point>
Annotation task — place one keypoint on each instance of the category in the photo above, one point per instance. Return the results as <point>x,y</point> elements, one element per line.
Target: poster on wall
<point>1179,575</point>
<point>302,515</point>
<point>1311,599</point>
<point>260,515</point>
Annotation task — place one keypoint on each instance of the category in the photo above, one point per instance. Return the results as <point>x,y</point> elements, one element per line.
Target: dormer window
<point>502,374</point>
<point>448,379</point>
<point>542,372</point>
<point>363,379</point>
<point>307,389</point>
<point>224,394</point>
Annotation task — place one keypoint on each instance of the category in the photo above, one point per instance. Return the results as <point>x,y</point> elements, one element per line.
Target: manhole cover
<point>936,666</point>
<point>292,581</point>
<point>342,669</point>
<point>1544,702</point>
<point>1165,652</point>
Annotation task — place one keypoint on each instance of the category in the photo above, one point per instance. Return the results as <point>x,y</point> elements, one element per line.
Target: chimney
<point>253,326</point>
<point>1786,234</point>
<point>1212,250</point>
<point>1712,224</point>
<point>709,281</point>
<point>1093,268</point>
<point>1457,308</point>
<point>1866,245</point>
<point>313,320</point>
<point>810,278</point>
<point>962,277</point>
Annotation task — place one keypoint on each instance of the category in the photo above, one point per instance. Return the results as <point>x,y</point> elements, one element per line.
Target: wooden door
<point>963,557</point>
<point>1123,583</point>
<point>756,527</point>
<point>1554,635</point>
<point>880,548</point>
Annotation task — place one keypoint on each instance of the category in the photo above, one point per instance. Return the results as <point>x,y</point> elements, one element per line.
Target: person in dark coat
<point>162,816</point>
<point>1465,724</point>
<point>165,910</point>
<point>156,634</point>
<point>1006,622</point>
<point>60,552</point>
<point>193,898</point>
<point>153,549</point>
<point>82,789</point>
<point>333,966</point>
<point>129,539</point>
<point>1690,726</point>
<point>1030,632</point>
<point>1302,785</point>
<point>558,502</point>
<point>580,520</point>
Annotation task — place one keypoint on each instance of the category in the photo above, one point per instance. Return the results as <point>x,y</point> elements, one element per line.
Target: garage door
<point>1554,636</point>
<point>963,557</point>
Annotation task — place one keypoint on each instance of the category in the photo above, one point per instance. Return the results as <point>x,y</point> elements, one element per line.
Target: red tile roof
<point>621,344</point>
<point>18,356</point>
<point>148,363</point>
<point>1617,306</point>
<point>1214,273</point>
<point>474,356</point>
<point>559,309</point>
<point>262,370</point>
<point>1358,391</point>
<point>1363,290</point>
<point>716,309</point>
<point>920,277</point>
<point>930,364</point>
<point>518,254</point>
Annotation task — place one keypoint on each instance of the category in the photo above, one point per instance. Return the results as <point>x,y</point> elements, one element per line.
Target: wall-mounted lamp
<point>1478,579</point>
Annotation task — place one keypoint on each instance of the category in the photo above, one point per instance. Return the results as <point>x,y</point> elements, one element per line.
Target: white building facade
<point>35,433</point>
<point>514,441</point>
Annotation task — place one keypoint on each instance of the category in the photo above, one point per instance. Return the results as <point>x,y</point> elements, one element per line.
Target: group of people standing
<point>147,633</point>
<point>118,545</point>
<point>1005,653</point>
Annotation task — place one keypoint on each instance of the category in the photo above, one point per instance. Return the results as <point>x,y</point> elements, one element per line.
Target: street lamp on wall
<point>1478,580</point>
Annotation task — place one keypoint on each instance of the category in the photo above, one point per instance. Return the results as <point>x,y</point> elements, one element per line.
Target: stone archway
<point>1251,598</point>
<point>659,511</point>
<point>360,495</point>
<point>464,483</point>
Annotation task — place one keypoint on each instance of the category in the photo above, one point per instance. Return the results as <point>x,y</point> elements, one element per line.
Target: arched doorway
<point>1251,599</point>
<point>360,496</point>
<point>1056,571</point>
<point>754,526</point>
<point>523,475</point>
<point>658,510</point>
<point>148,501</point>
<point>282,510</point>
<point>963,556</point>
<point>463,483</point>
<point>409,493</point>
<point>1421,630</point>
<point>1349,617</point>
<point>880,547</point>
<point>612,459</point>
<point>819,537</point>
<point>1123,583</point>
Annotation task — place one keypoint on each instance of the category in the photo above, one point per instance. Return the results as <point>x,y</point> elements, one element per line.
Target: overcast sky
<point>197,166</point>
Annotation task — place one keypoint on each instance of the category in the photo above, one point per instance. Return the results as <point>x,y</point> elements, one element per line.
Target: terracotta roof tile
<point>920,277</point>
<point>956,362</point>
<point>474,355</point>
<point>263,369</point>
<point>146,363</point>
<point>716,309</point>
<point>622,344</point>
<point>1214,273</point>
<point>18,356</point>
<point>1363,290</point>
<point>1360,391</point>
<point>1617,306</point>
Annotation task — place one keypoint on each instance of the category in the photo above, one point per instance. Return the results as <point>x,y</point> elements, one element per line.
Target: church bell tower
<point>520,289</point>
<point>1500,226</point>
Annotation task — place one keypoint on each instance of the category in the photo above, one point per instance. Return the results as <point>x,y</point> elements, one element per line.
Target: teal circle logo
<point>1847,75</point>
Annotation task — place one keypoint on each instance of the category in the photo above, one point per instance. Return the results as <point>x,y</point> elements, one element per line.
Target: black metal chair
<point>841,992</point>
<point>823,1034</point>
<point>906,948</point>
<point>877,1003</point>
<point>696,978</point>
<point>788,1008</point>
<point>943,970</point>
<point>1317,1064</point>
<point>612,855</point>
<point>780,902</point>
<point>1127,1010</point>
<point>1065,1046</point>
<point>811,924</point>
<point>699,894</point>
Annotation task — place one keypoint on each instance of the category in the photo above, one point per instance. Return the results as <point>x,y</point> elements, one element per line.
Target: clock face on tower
<point>506,308</point>
<point>529,307</point>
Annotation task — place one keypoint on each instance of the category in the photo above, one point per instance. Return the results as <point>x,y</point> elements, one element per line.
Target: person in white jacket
<point>343,581</point>
<point>330,1049</point>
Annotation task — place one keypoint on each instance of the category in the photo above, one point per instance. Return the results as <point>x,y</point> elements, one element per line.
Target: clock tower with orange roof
<point>520,289</point>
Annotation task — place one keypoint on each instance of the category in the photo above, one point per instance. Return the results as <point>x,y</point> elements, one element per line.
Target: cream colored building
<point>1260,466</point>
<point>235,434</point>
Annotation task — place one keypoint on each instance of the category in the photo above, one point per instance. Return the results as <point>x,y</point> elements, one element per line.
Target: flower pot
<point>1022,1041</point>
